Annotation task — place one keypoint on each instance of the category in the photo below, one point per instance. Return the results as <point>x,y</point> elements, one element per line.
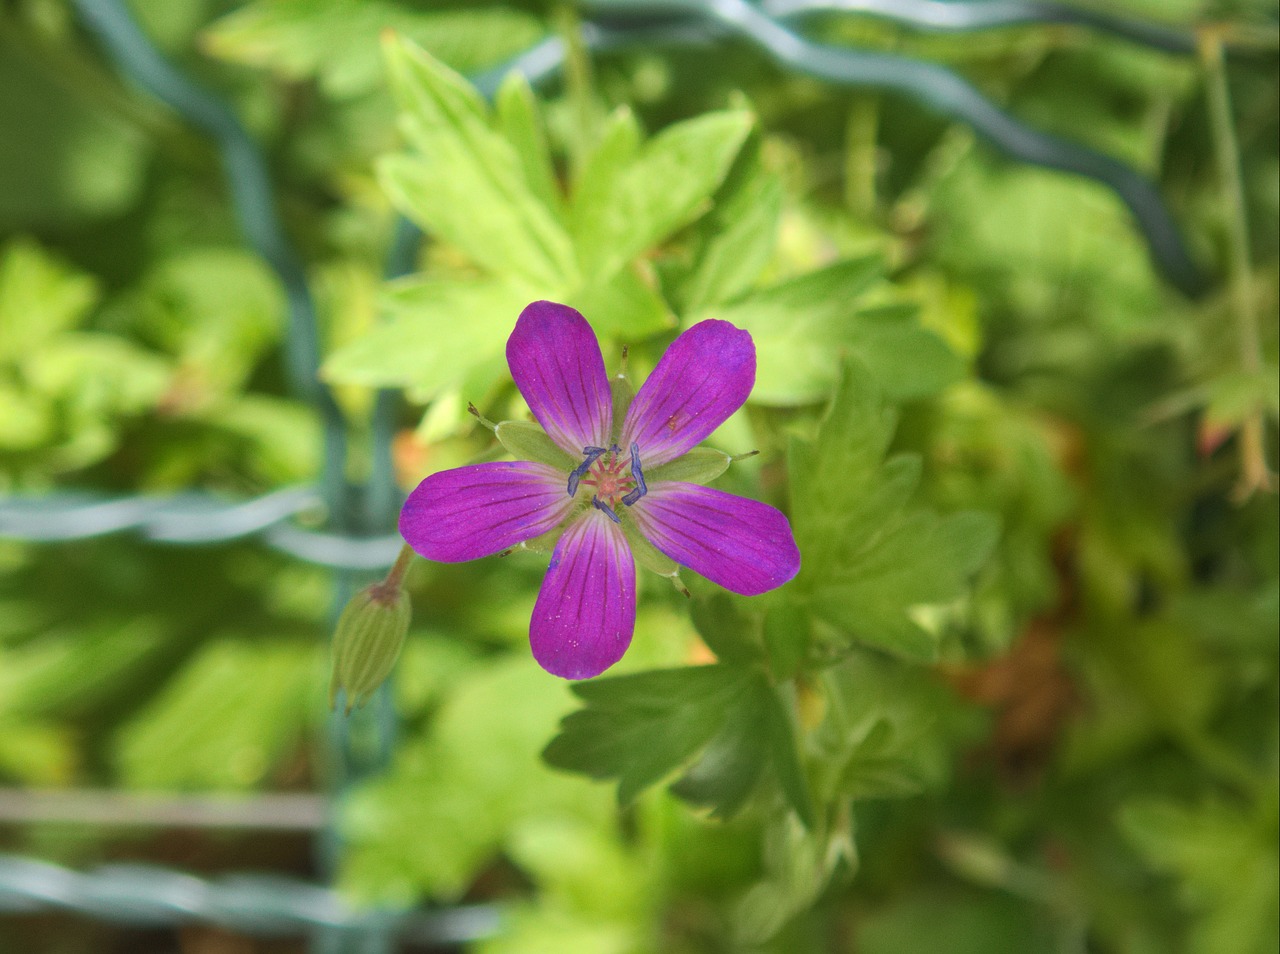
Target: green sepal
<point>525,440</point>
<point>650,557</point>
<point>622,390</point>
<point>700,466</point>
<point>545,542</point>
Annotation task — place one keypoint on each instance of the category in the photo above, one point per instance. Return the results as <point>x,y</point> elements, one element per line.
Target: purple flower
<point>609,486</point>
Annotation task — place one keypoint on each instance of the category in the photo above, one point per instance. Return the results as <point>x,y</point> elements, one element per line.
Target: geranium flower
<point>602,483</point>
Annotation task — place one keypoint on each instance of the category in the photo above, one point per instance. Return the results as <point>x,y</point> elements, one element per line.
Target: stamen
<point>595,502</point>
<point>592,455</point>
<point>638,476</point>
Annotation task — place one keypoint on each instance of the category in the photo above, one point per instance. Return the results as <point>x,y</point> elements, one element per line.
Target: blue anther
<point>638,476</point>
<point>595,502</point>
<point>592,455</point>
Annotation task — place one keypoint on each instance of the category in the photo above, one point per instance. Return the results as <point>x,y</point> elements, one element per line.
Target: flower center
<point>612,478</point>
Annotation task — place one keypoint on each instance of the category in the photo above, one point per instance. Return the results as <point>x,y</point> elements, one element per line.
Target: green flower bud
<point>367,641</point>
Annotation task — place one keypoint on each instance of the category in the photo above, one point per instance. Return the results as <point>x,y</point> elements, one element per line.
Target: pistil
<point>614,480</point>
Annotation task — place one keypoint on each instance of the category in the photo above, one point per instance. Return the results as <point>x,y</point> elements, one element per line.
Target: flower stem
<point>394,579</point>
<point>578,85</point>
<point>1254,474</point>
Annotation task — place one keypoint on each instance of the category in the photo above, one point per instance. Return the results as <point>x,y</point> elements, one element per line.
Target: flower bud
<point>367,642</point>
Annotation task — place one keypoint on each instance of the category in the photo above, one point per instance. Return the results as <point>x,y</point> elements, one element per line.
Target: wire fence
<point>350,528</point>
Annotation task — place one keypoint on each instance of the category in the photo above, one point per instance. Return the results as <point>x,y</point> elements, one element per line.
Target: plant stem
<point>1254,474</point>
<point>395,578</point>
<point>578,84</point>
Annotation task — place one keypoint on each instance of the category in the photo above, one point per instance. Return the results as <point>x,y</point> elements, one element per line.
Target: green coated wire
<point>935,87</point>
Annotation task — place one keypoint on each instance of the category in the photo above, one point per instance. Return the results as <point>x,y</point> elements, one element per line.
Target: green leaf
<point>424,344</point>
<point>336,41</point>
<point>36,753</point>
<point>640,728</point>
<point>39,297</point>
<point>738,236</point>
<point>798,863</point>
<point>729,768</point>
<point>98,375</point>
<point>784,756</point>
<point>1234,397</point>
<point>787,635</point>
<point>623,206</point>
<point>520,121</point>
<point>887,731</point>
<point>804,327</point>
<point>868,561</point>
<point>472,780</point>
<point>728,632</point>
<point>1225,864</point>
<point>601,178</point>
<point>217,309</point>
<point>465,182</point>
<point>225,720</point>
<point>626,306</point>
<point>26,420</point>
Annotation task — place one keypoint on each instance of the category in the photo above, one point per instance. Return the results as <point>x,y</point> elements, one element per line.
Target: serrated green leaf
<point>798,864</point>
<point>642,727</point>
<point>884,734</point>
<point>464,182</point>
<point>624,206</point>
<point>727,771</point>
<point>438,332</point>
<point>868,561</point>
<point>627,306</point>
<point>805,326</point>
<point>738,235</point>
<point>520,121</point>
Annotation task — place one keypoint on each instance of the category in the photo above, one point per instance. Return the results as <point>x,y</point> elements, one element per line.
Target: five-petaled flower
<point>609,486</point>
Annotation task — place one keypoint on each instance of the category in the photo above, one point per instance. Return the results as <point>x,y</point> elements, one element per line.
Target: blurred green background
<point>1085,759</point>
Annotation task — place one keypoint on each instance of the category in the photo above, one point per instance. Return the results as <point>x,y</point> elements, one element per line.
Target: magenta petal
<point>704,377</point>
<point>586,609</point>
<point>556,364</point>
<point>482,509</point>
<point>742,544</point>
